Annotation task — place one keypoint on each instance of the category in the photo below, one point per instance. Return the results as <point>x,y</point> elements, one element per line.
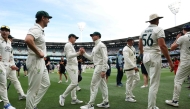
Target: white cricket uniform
<point>5,51</point>
<point>99,58</point>
<point>72,70</point>
<point>11,75</point>
<point>184,66</point>
<point>38,77</point>
<point>152,59</point>
<point>133,77</point>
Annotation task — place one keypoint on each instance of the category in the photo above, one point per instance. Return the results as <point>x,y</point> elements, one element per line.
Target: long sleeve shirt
<point>120,60</point>
<point>129,57</point>
<point>71,54</point>
<point>99,55</point>
<point>6,52</point>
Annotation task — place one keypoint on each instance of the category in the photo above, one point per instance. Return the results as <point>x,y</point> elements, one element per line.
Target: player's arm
<point>89,57</point>
<point>140,46</point>
<point>104,56</point>
<point>69,53</point>
<point>103,51</point>
<point>12,62</point>
<point>175,45</point>
<point>29,40</point>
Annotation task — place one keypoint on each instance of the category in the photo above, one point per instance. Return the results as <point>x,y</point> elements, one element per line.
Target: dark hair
<point>186,29</point>
<point>38,19</point>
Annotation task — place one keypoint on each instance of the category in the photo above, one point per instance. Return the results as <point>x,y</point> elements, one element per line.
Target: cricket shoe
<point>66,81</point>
<point>172,103</point>
<point>78,88</point>
<point>88,106</point>
<point>104,105</point>
<point>130,99</point>
<point>21,97</point>
<point>76,101</point>
<point>60,81</point>
<point>61,100</point>
<point>8,106</point>
<point>1,100</point>
<point>144,86</point>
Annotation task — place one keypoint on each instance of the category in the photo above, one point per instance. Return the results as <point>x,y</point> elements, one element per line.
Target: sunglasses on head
<point>4,26</point>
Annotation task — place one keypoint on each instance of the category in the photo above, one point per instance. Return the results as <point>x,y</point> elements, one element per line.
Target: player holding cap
<point>184,67</point>
<point>130,67</point>
<point>6,62</point>
<point>152,42</point>
<point>72,69</point>
<point>99,57</point>
<point>38,77</point>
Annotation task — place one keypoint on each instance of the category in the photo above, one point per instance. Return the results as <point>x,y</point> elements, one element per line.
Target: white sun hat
<point>154,16</point>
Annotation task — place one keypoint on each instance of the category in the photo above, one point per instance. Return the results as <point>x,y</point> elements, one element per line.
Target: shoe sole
<point>103,106</point>
<point>172,105</point>
<point>131,101</point>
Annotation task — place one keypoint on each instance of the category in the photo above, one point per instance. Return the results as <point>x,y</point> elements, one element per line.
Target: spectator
<point>119,66</point>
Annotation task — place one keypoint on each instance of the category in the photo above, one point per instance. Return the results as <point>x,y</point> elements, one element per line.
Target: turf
<point>116,94</point>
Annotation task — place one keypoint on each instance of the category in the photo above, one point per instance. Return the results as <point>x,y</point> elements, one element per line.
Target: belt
<point>129,69</point>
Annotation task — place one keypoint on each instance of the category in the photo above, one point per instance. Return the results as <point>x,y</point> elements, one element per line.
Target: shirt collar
<point>4,39</point>
<point>97,41</point>
<point>152,25</point>
<point>36,24</point>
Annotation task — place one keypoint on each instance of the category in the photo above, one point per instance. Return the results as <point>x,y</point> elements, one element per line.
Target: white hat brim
<point>154,18</point>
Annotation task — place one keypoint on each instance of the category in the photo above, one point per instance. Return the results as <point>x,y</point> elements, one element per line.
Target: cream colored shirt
<point>6,52</point>
<point>150,38</point>
<point>99,55</point>
<point>71,54</point>
<point>129,55</point>
<point>38,33</point>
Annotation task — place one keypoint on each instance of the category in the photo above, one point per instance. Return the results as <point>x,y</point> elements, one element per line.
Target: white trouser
<point>3,84</point>
<point>72,71</point>
<point>98,81</point>
<point>132,81</point>
<point>11,75</point>
<point>38,81</point>
<point>153,67</point>
<point>181,75</point>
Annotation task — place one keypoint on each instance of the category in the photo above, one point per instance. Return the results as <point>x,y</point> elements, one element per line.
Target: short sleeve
<point>179,40</point>
<point>35,32</point>
<point>161,33</point>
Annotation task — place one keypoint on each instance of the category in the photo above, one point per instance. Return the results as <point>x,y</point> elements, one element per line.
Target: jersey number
<point>148,41</point>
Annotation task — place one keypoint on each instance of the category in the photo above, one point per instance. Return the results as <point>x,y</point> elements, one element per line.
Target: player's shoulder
<point>35,29</point>
<point>101,44</point>
<point>157,29</point>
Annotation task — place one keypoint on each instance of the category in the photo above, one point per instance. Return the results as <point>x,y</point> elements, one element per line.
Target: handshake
<point>81,51</point>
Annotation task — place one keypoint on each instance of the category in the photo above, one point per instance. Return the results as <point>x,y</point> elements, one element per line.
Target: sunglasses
<point>4,26</point>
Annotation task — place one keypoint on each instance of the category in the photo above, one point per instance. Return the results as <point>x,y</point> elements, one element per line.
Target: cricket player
<point>184,67</point>
<point>99,58</point>
<point>38,77</point>
<point>152,42</point>
<point>11,75</point>
<point>6,62</point>
<point>130,69</point>
<point>72,69</point>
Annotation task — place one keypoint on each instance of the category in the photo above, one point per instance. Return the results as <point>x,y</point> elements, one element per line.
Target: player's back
<point>150,38</point>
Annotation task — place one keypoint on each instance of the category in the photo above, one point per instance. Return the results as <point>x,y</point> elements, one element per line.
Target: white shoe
<point>156,107</point>
<point>104,105</point>
<point>76,101</point>
<point>88,106</point>
<point>61,100</point>
<point>21,97</point>
<point>130,100</point>
<point>172,103</point>
<point>78,88</point>
<point>8,106</point>
<point>1,100</point>
<point>144,86</point>
<point>60,81</point>
<point>66,81</point>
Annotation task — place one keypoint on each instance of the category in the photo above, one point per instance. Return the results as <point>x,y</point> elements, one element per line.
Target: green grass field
<point>116,94</point>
